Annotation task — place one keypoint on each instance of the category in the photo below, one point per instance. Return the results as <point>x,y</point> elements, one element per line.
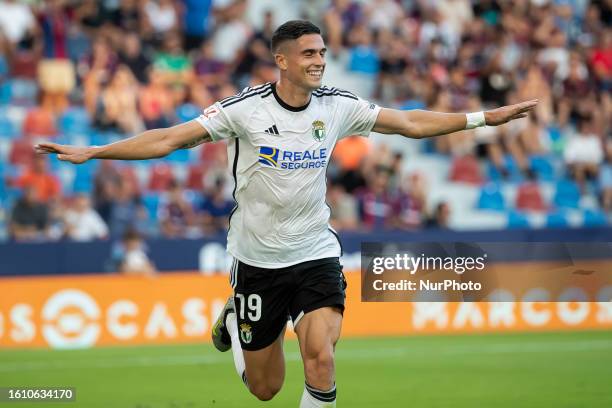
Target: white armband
<point>475,119</point>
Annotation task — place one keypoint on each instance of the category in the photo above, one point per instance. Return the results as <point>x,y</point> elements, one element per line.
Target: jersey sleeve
<point>359,115</point>
<point>220,123</point>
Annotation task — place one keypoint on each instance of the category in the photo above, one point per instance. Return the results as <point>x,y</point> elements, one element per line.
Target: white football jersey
<point>279,156</point>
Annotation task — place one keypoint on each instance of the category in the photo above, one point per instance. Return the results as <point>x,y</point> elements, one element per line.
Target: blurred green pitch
<point>498,370</point>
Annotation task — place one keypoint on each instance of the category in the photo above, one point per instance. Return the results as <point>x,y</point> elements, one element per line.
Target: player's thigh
<point>318,332</point>
<point>266,367</point>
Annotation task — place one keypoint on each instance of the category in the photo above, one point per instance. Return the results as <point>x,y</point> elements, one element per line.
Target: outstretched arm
<point>419,124</point>
<point>150,144</point>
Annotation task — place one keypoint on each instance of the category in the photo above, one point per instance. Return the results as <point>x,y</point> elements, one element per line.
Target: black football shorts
<point>265,298</point>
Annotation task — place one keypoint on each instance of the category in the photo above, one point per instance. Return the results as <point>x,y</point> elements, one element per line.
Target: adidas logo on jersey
<point>272,130</point>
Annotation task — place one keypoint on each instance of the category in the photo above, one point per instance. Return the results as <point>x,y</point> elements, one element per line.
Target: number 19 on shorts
<point>253,303</point>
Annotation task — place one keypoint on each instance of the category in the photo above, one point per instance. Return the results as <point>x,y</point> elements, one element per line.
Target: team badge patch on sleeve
<point>318,130</point>
<point>210,112</point>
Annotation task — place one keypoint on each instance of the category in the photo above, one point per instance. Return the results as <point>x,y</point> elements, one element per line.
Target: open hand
<point>505,114</point>
<point>72,154</point>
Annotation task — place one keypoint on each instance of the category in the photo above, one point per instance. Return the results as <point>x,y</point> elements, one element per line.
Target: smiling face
<point>302,61</point>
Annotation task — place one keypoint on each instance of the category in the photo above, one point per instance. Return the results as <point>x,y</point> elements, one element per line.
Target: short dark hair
<point>292,30</point>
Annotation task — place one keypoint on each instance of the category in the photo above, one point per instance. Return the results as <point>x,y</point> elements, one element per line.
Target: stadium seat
<point>74,121</point>
<point>466,170</point>
<point>21,152</point>
<point>517,220</point>
<point>5,93</point>
<point>161,177</point>
<point>594,218</point>
<point>195,177</point>
<point>567,194</point>
<point>23,92</point>
<point>187,112</point>
<point>491,198</point>
<point>39,122</point>
<point>543,168</point>
<point>557,220</point>
<point>178,156</point>
<point>151,203</point>
<point>7,128</point>
<point>529,198</point>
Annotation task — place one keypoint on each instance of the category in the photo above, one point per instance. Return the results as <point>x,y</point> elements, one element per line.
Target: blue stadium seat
<point>74,121</point>
<point>412,104</point>
<point>567,194</point>
<point>151,203</point>
<point>23,92</point>
<point>543,168</point>
<point>5,93</point>
<point>557,220</point>
<point>7,128</point>
<point>517,219</point>
<point>187,112</point>
<point>515,173</point>
<point>491,198</point>
<point>594,218</point>
<point>178,156</point>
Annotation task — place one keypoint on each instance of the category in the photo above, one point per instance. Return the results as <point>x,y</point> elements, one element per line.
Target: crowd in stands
<point>92,72</point>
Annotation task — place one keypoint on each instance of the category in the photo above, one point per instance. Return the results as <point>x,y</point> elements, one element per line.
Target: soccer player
<point>286,257</point>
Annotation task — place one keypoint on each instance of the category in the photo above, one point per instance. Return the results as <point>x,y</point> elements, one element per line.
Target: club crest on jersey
<point>245,333</point>
<point>318,130</point>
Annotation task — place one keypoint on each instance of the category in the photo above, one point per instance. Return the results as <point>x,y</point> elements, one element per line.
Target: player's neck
<point>292,95</point>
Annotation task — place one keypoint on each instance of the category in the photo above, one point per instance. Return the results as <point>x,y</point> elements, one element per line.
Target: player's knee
<point>320,369</point>
<point>265,390</point>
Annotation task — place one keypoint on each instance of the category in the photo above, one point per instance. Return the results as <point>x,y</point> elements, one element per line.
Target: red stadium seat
<point>39,122</point>
<point>21,153</point>
<point>466,170</point>
<point>195,177</point>
<point>161,177</point>
<point>529,198</point>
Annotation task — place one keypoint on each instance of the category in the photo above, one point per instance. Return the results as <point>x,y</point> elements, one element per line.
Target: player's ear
<point>281,61</point>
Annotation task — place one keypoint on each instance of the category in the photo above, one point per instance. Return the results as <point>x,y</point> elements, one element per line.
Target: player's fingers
<point>48,147</point>
<point>525,106</point>
<point>520,115</point>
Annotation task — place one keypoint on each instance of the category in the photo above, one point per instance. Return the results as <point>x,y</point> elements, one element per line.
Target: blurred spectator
<point>195,22</point>
<point>161,17</point>
<point>340,18</point>
<point>107,182</point>
<point>83,223</point>
<point>44,184</point>
<point>605,179</point>
<point>375,200</point>
<point>232,32</point>
<point>409,206</point>
<point>257,51</point>
<point>29,217</point>
<point>126,212</point>
<point>17,21</point>
<point>177,216</point>
<point>363,56</point>
<point>127,16</point>
<point>132,258</point>
<point>216,209</point>
<point>172,63</point>
<point>208,69</point>
<point>156,105</point>
<point>56,74</point>
<point>133,57</point>
<point>344,214</point>
<point>584,153</point>
<point>441,216</point>
<point>118,105</point>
